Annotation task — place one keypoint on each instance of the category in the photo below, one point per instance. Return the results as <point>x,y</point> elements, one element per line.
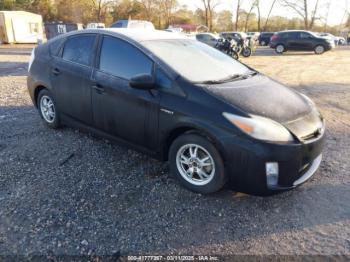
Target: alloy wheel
<point>47,108</point>
<point>280,49</point>
<point>319,49</point>
<point>195,164</point>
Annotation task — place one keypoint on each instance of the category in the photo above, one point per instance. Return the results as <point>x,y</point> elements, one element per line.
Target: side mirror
<point>143,82</point>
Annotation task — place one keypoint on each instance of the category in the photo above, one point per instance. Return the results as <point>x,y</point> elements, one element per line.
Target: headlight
<point>260,128</point>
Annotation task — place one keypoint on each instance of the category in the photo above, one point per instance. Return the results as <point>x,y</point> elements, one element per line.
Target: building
<point>21,27</point>
<point>57,28</point>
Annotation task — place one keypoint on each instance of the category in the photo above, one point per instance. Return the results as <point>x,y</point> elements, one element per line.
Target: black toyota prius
<point>214,119</point>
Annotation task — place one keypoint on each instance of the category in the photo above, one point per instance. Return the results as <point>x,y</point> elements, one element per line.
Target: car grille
<point>307,128</point>
<point>312,135</point>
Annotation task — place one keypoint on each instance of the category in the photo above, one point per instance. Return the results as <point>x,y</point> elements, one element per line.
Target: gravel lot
<point>67,193</point>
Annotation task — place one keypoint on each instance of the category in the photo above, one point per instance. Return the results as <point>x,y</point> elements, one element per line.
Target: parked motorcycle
<point>228,47</point>
<point>243,48</point>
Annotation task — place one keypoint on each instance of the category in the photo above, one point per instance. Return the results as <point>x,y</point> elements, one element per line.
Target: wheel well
<point>36,94</point>
<point>319,44</point>
<point>174,134</point>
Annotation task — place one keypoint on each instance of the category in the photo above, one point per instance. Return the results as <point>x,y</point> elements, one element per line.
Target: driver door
<point>118,109</point>
<point>306,41</point>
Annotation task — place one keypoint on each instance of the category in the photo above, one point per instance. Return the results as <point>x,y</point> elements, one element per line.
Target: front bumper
<point>245,162</point>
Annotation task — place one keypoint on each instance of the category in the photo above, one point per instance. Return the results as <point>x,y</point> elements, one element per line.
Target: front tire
<point>247,52</point>
<point>319,50</point>
<point>197,164</point>
<point>234,55</point>
<point>48,109</point>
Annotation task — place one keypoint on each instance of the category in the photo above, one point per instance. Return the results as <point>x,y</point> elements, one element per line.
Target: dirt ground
<point>66,193</point>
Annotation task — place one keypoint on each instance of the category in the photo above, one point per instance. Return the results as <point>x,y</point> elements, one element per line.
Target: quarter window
<point>78,49</point>
<point>123,60</point>
<point>162,80</point>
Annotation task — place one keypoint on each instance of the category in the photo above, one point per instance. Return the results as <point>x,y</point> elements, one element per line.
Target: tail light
<point>274,38</point>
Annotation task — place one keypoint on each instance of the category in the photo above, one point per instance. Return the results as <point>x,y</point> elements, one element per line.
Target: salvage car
<point>264,38</point>
<point>208,38</point>
<point>216,120</point>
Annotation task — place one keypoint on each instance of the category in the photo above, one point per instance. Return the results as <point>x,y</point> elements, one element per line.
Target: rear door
<point>71,77</point>
<point>293,41</point>
<point>118,109</point>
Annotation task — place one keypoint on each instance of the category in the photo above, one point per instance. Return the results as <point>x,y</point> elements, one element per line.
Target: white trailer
<point>21,27</point>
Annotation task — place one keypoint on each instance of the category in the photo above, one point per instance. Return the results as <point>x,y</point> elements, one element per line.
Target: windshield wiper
<point>229,78</point>
<point>224,80</point>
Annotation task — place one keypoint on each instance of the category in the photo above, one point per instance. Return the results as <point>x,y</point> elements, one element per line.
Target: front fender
<point>187,124</point>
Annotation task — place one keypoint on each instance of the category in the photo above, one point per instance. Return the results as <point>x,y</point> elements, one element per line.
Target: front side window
<point>304,35</point>
<point>196,61</point>
<point>123,60</point>
<point>79,49</point>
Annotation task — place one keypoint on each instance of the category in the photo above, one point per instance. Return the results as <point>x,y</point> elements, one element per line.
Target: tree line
<point>164,13</point>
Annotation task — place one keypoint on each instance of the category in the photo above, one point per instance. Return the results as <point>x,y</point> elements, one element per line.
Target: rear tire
<point>319,49</point>
<point>48,109</point>
<point>197,164</point>
<point>280,49</point>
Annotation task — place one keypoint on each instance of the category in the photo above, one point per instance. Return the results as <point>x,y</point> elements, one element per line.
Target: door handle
<point>99,89</point>
<point>56,71</point>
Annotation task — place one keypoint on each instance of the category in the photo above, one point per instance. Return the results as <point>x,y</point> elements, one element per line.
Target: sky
<point>336,13</point>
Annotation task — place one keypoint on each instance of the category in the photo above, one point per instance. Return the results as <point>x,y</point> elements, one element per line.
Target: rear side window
<point>55,46</point>
<point>123,60</point>
<point>78,49</point>
<point>294,35</point>
<point>283,35</point>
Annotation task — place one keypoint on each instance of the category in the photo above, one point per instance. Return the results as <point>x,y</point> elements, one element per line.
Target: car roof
<point>136,34</point>
<point>296,31</point>
<point>205,33</point>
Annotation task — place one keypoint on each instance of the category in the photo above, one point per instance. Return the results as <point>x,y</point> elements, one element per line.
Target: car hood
<point>262,96</point>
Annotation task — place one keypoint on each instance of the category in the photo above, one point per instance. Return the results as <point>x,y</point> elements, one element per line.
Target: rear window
<point>78,49</point>
<point>117,25</point>
<point>267,34</point>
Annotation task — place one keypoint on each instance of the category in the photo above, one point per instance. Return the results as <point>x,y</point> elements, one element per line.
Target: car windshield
<point>195,61</point>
